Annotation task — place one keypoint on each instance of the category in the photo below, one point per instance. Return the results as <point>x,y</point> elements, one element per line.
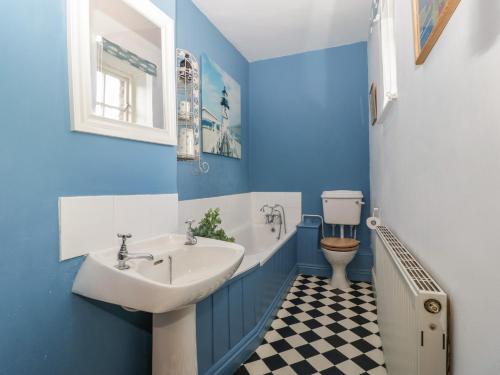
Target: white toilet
<point>341,207</point>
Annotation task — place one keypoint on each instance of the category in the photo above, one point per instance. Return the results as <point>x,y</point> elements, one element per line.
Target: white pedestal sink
<point>168,287</point>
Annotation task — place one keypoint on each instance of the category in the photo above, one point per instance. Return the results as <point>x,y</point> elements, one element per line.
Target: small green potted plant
<point>209,227</point>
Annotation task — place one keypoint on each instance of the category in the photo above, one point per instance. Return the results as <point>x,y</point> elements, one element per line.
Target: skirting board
<point>232,360</point>
<point>326,271</point>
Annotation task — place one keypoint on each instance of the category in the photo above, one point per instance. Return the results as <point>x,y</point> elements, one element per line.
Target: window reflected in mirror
<point>126,65</point>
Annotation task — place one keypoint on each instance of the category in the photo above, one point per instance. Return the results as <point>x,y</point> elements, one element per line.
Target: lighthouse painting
<point>221,111</point>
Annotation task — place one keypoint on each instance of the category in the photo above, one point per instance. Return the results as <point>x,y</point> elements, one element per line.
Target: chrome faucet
<point>269,216</point>
<point>283,216</point>
<point>124,255</point>
<point>275,215</point>
<point>190,237</point>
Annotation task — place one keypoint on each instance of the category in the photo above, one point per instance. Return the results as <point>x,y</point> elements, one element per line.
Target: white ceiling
<point>263,29</point>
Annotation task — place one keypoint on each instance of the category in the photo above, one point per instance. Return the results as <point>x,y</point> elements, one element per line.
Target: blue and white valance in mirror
<point>121,53</point>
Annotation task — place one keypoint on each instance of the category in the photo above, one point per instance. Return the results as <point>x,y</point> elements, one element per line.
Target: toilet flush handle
<point>360,202</point>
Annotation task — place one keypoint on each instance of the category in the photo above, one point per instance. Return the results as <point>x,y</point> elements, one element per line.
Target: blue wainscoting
<point>310,258</point>
<point>232,322</point>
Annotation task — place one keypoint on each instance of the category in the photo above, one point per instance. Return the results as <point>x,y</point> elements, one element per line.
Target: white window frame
<point>129,92</point>
<point>79,62</point>
<point>386,77</point>
<point>388,50</point>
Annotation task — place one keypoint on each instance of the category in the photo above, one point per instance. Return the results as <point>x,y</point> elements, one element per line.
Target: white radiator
<point>412,310</point>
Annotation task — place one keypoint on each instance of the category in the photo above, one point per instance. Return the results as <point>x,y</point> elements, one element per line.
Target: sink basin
<point>169,287</point>
<point>180,275</point>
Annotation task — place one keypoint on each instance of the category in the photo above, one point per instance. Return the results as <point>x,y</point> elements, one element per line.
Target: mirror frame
<point>79,64</point>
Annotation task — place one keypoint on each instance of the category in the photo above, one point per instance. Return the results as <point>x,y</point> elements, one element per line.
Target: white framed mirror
<point>122,70</point>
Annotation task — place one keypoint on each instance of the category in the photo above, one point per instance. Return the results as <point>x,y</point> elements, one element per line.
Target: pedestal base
<point>174,342</point>
<point>339,278</point>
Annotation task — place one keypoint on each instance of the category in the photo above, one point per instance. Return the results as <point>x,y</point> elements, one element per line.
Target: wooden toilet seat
<point>339,244</point>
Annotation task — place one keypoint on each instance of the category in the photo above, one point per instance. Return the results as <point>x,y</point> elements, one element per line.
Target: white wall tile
<point>132,215</point>
<point>234,210</point>
<point>91,223</point>
<point>85,223</point>
<point>241,209</point>
<point>164,213</point>
<point>293,215</point>
<point>291,201</point>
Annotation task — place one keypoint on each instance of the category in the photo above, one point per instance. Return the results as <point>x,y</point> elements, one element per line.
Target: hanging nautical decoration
<point>188,110</point>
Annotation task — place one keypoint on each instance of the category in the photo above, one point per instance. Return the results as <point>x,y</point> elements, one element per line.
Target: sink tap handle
<point>124,236</point>
<point>190,237</point>
<point>189,223</point>
<point>123,249</point>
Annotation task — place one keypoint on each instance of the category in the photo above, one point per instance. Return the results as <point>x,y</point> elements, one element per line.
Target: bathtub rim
<point>260,258</point>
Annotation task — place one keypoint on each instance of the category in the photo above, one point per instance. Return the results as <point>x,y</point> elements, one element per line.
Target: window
<point>388,51</point>
<point>113,95</point>
<point>384,69</point>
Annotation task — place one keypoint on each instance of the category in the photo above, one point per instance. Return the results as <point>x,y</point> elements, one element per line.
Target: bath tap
<point>124,255</point>
<point>277,219</point>
<point>268,216</point>
<point>283,216</point>
<point>275,216</point>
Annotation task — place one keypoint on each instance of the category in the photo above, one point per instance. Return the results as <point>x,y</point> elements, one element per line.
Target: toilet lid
<point>339,244</point>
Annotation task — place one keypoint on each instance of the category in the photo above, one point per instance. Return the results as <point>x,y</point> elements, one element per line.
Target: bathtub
<point>260,243</point>
<point>231,322</point>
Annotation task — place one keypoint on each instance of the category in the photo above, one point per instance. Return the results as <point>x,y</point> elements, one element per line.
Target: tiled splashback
<point>241,209</point>
<point>91,223</point>
<point>234,209</point>
<point>291,201</point>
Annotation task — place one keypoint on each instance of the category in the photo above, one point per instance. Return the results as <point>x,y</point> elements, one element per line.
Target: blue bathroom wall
<point>227,176</point>
<point>309,128</point>
<point>44,328</point>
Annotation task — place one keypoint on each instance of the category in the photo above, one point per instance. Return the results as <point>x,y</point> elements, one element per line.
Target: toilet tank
<point>342,206</point>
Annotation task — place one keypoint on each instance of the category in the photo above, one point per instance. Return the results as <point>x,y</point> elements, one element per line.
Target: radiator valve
<point>433,306</point>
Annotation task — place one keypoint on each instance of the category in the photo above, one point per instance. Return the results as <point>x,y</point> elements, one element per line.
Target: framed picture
<point>221,111</point>
<point>373,103</point>
<point>429,20</point>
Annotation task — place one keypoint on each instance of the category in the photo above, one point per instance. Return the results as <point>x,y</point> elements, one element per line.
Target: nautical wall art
<point>221,111</point>
<point>429,20</point>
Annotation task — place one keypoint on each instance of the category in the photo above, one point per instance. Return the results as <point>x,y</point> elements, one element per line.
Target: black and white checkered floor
<point>320,330</point>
